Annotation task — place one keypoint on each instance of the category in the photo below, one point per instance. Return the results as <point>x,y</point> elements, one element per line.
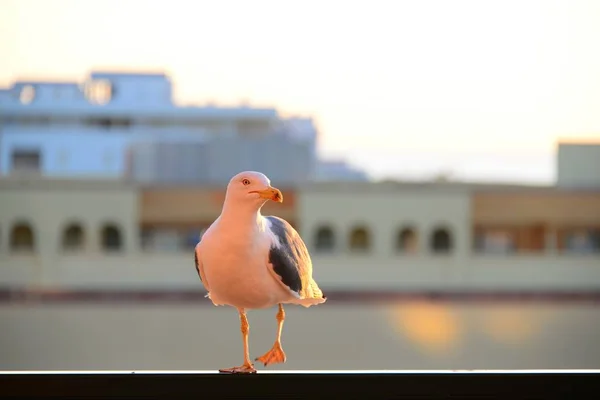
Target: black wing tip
<point>197,265</point>
<point>284,266</point>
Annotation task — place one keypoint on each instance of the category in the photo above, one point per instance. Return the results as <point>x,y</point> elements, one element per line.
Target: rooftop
<point>114,93</point>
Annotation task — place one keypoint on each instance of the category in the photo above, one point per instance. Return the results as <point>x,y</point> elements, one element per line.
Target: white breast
<point>236,269</point>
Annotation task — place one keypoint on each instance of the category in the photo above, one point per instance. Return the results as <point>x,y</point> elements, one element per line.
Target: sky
<point>478,89</point>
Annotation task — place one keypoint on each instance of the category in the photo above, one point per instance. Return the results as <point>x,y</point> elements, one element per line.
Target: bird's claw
<point>274,356</point>
<point>242,369</point>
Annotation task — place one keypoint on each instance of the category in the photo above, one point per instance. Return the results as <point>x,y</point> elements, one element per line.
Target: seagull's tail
<point>313,296</point>
<point>307,302</point>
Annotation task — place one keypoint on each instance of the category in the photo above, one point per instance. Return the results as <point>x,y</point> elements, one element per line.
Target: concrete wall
<point>385,211</point>
<point>48,206</point>
<point>198,336</point>
<point>176,271</point>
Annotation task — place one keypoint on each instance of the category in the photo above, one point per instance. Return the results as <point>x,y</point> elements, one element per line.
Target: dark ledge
<point>565,384</point>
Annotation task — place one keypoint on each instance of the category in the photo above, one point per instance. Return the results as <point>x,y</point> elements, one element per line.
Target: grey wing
<point>289,256</point>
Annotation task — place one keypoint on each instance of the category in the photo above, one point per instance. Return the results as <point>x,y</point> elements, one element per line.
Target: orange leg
<point>246,367</point>
<point>276,354</point>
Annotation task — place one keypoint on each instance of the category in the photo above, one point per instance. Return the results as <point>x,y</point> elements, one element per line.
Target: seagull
<point>250,261</point>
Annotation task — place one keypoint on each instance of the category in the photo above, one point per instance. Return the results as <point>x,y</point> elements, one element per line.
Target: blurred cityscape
<point>107,185</point>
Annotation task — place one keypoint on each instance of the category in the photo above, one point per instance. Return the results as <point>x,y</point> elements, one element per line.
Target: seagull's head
<point>252,188</point>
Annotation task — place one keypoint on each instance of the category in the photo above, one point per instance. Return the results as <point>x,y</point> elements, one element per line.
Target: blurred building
<point>432,236</point>
<point>578,165</point>
<point>338,170</point>
<point>215,160</point>
<point>122,124</point>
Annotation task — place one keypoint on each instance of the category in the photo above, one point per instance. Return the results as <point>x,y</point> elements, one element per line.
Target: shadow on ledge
<point>21,295</point>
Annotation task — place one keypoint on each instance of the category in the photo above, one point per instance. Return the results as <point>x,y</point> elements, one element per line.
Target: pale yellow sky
<point>385,77</point>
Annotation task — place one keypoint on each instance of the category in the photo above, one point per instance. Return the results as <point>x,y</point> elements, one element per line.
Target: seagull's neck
<point>240,215</point>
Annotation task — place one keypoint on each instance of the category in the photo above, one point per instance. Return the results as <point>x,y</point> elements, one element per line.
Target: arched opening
<point>22,238</point>
<point>73,238</point>
<point>360,239</point>
<point>407,241</point>
<point>441,241</point>
<point>111,238</point>
<point>324,239</point>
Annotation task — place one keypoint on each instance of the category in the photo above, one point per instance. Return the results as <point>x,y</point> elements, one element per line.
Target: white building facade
<point>117,124</point>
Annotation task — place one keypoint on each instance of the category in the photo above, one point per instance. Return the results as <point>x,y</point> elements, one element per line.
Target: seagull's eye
<point>246,182</point>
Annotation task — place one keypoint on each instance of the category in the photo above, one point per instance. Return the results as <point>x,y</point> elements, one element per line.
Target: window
<point>360,239</point>
<point>168,239</point>
<point>494,240</point>
<point>253,127</point>
<point>99,91</point>
<point>324,239</point>
<point>406,241</point>
<point>27,94</point>
<point>441,241</point>
<point>26,160</point>
<point>108,123</point>
<point>583,241</point>
<point>73,238</point>
<point>147,238</point>
<point>22,238</point>
<point>111,238</point>
<point>171,238</point>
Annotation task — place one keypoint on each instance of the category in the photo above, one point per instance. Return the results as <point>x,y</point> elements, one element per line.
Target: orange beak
<point>270,193</point>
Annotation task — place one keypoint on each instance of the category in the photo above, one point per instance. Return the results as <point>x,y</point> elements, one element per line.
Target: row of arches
<point>359,239</point>
<point>24,238</point>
